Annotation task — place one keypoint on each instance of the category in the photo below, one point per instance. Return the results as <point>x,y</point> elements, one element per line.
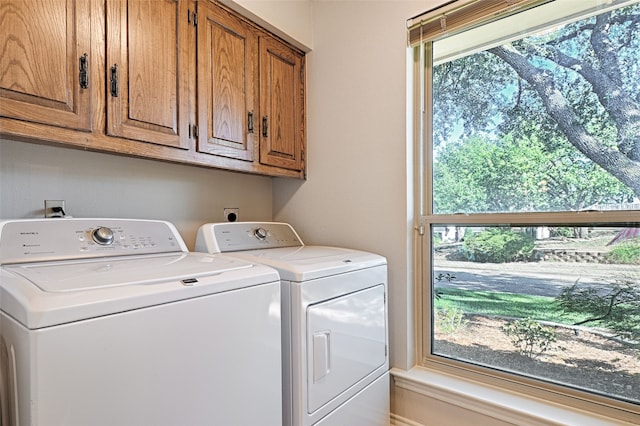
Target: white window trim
<point>502,404</point>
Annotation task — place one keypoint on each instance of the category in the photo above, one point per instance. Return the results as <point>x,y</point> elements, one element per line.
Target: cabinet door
<point>227,84</point>
<point>147,71</point>
<point>42,44</point>
<point>281,105</point>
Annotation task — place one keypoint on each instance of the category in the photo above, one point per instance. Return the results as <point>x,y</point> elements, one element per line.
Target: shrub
<point>497,245</point>
<point>530,337</point>
<point>627,253</point>
<point>449,319</point>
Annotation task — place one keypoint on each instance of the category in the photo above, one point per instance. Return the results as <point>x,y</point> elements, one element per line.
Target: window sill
<point>497,403</point>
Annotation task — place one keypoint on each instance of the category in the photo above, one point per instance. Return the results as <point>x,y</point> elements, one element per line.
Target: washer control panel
<point>238,236</point>
<point>35,240</point>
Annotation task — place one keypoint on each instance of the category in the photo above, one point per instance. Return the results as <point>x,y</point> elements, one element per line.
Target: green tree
<point>515,175</point>
<point>572,182</point>
<point>579,85</point>
<point>482,176</point>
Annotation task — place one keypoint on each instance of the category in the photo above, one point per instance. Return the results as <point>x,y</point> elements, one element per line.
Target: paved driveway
<point>535,278</point>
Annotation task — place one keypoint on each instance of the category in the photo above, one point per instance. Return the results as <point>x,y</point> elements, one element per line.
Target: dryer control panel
<point>37,240</point>
<point>240,236</point>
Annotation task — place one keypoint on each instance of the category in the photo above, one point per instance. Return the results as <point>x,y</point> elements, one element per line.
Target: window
<point>530,194</point>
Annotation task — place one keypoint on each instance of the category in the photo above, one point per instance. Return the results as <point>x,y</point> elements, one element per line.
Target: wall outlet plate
<point>54,208</point>
<point>231,214</point>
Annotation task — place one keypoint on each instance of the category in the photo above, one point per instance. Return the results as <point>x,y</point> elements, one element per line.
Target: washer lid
<point>45,294</point>
<point>88,275</point>
<point>310,262</point>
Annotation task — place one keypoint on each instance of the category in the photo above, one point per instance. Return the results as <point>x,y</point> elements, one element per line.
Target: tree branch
<point>607,313</point>
<point>622,109</point>
<point>612,160</point>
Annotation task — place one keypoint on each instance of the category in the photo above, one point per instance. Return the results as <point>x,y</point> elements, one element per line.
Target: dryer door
<point>346,341</point>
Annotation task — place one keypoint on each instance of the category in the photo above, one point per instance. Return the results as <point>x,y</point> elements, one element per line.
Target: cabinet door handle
<point>84,72</point>
<point>250,122</point>
<point>114,81</point>
<point>265,126</point>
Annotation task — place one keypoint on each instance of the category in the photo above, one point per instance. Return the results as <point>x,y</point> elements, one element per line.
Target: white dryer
<point>112,322</point>
<point>334,317</point>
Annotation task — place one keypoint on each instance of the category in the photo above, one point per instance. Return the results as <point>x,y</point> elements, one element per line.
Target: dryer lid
<point>305,263</point>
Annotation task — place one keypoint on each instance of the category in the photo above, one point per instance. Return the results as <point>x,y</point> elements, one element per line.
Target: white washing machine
<point>334,317</point>
<point>112,322</point>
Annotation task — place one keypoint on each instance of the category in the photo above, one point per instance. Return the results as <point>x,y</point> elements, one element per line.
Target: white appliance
<point>112,322</point>
<point>334,317</point>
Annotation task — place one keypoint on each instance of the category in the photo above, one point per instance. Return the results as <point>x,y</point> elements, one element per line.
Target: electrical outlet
<point>54,208</point>
<point>231,214</point>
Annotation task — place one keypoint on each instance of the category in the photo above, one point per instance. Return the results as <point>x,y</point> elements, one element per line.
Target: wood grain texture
<point>153,62</point>
<point>147,43</point>
<point>41,43</point>
<point>282,103</point>
<point>227,81</point>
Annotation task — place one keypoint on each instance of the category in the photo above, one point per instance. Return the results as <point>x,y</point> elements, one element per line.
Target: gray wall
<point>103,185</point>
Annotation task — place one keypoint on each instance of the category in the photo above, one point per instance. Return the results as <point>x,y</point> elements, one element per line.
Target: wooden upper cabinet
<point>227,72</point>
<point>176,80</point>
<point>45,51</point>
<point>282,135</point>
<point>147,71</point>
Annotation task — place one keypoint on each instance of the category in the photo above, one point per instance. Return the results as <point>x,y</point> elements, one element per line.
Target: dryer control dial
<point>103,236</point>
<point>260,233</point>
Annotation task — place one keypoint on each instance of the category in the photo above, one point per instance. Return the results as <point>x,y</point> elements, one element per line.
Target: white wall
<point>104,185</point>
<point>289,19</point>
<point>358,182</point>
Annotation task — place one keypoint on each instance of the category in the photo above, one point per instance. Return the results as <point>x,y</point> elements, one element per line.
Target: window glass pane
<point>546,122</point>
<point>558,303</point>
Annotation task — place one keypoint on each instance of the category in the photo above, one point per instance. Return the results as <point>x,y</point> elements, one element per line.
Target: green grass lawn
<point>513,305</point>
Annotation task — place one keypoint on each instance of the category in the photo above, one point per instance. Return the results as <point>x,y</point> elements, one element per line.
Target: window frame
<point>421,108</point>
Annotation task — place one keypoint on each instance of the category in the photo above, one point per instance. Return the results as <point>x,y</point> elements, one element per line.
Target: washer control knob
<point>260,233</point>
<point>103,236</point>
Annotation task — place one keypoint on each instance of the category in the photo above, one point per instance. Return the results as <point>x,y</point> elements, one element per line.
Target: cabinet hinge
<point>193,131</point>
<point>192,17</point>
